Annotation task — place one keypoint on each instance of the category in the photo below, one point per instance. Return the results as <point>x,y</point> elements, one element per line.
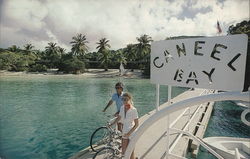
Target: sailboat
<point>122,70</point>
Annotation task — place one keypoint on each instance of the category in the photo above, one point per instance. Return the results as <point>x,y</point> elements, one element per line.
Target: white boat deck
<point>153,142</point>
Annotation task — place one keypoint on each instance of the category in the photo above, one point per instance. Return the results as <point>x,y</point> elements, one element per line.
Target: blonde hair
<point>129,96</point>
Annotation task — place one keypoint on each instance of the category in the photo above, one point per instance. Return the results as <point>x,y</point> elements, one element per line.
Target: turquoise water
<point>225,121</point>
<point>53,117</point>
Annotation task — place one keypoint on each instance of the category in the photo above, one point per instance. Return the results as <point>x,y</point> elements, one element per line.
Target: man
<point>117,98</point>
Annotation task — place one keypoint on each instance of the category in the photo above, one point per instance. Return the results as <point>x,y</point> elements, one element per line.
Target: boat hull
<point>226,146</point>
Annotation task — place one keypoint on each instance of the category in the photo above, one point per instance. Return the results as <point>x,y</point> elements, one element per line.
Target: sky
<point>120,21</point>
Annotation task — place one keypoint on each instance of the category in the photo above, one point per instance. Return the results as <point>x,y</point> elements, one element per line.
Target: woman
<point>129,117</point>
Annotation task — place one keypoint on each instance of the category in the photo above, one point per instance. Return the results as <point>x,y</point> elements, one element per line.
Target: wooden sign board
<point>213,62</point>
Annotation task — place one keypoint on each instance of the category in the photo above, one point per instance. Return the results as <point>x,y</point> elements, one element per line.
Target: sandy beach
<point>90,73</point>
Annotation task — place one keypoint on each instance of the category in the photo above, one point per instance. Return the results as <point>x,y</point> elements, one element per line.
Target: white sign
<point>212,63</point>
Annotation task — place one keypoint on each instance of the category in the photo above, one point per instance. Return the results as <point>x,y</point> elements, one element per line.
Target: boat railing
<point>237,154</point>
<point>244,96</point>
<point>191,118</point>
<point>199,141</point>
<point>186,129</point>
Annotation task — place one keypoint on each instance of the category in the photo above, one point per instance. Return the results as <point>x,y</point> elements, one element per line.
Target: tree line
<point>133,56</point>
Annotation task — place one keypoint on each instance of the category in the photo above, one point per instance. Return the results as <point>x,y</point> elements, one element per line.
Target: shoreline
<point>90,73</point>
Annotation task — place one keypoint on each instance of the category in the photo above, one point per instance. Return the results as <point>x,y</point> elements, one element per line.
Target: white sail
<point>122,70</point>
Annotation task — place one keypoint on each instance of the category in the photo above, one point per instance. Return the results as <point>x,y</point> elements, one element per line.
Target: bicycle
<point>109,152</point>
<point>105,135</point>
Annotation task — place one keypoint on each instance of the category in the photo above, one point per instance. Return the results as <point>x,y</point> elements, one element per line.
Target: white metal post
<point>244,96</point>
<point>157,97</point>
<point>189,117</point>
<point>168,121</point>
<point>169,94</point>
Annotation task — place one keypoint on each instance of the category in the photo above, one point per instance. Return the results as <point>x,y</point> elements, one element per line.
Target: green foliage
<point>71,64</point>
<point>104,57</point>
<point>2,65</point>
<point>13,61</point>
<point>240,28</point>
<point>28,49</point>
<point>143,48</point>
<point>133,56</point>
<point>130,52</point>
<point>79,46</point>
<point>243,28</point>
<point>52,55</point>
<point>8,60</point>
<point>14,48</point>
<point>120,58</point>
<point>27,59</point>
<point>21,65</point>
<point>103,45</point>
<point>92,60</point>
<point>38,68</point>
<point>146,70</point>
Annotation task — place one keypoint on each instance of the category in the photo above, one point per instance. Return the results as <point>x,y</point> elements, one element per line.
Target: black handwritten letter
<point>216,51</point>
<point>179,50</point>
<point>232,61</point>
<point>167,55</point>
<point>155,63</point>
<point>178,75</point>
<point>209,74</point>
<point>196,47</point>
<point>192,77</point>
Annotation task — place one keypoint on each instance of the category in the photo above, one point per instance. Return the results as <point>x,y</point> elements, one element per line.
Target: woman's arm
<point>116,120</point>
<point>133,129</point>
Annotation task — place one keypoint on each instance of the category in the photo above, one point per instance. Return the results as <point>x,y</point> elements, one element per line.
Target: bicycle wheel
<point>106,153</point>
<point>99,137</point>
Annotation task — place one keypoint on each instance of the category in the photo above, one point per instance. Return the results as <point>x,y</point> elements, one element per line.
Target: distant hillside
<point>182,37</point>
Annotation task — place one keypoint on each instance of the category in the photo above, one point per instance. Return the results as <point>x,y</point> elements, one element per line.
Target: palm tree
<point>61,50</point>
<point>103,45</point>
<point>51,49</point>
<point>28,49</point>
<point>121,59</point>
<point>79,46</point>
<point>143,47</point>
<point>103,49</point>
<point>14,48</point>
<point>130,52</point>
<point>52,54</point>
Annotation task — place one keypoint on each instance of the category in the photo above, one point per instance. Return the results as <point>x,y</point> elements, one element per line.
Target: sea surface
<point>52,117</point>
<point>225,121</point>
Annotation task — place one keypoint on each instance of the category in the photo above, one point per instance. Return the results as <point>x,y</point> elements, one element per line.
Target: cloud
<point>40,22</point>
<point>27,14</point>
